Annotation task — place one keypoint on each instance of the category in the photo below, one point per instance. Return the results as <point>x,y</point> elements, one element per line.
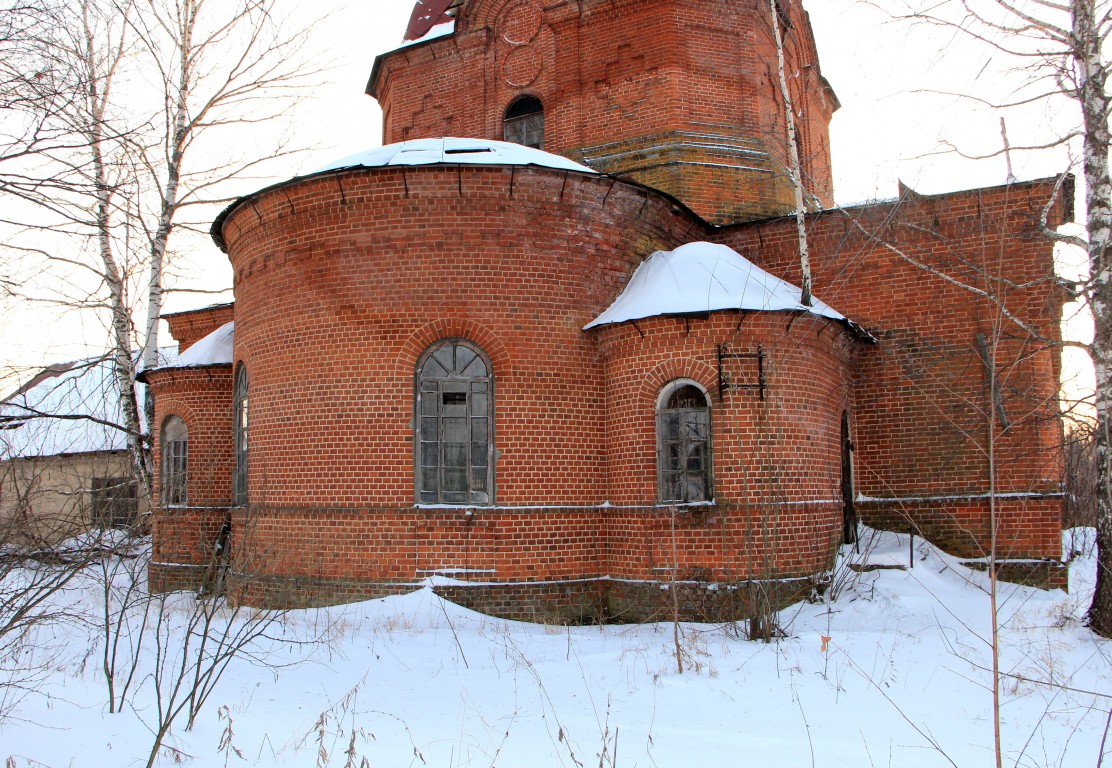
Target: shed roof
<point>65,409</point>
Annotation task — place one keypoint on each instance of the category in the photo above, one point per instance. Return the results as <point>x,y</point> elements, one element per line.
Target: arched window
<point>524,122</point>
<point>239,434</point>
<point>683,443</point>
<point>175,456</point>
<point>454,412</point>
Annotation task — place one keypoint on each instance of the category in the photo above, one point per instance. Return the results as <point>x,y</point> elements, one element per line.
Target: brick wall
<point>343,281</point>
<point>185,537</point>
<point>559,562</point>
<point>921,397</point>
<point>188,328</point>
<point>785,447</point>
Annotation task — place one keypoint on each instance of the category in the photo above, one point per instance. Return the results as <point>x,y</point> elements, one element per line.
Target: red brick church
<point>559,365</point>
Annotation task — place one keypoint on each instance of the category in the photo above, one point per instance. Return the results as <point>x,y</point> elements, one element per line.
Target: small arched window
<point>524,122</point>
<point>683,443</point>
<point>175,458</point>
<point>239,434</point>
<point>454,425</point>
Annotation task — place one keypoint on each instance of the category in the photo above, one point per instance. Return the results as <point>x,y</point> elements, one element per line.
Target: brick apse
<point>411,383</point>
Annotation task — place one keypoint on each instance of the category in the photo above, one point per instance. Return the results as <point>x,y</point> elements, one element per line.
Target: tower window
<point>683,443</point>
<point>524,122</point>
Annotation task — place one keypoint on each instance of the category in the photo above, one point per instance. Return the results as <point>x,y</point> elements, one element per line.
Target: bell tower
<point>681,95</point>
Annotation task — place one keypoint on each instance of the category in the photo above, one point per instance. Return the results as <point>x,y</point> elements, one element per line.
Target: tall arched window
<point>683,443</point>
<point>524,122</point>
<point>239,434</point>
<point>454,425</point>
<point>175,455</point>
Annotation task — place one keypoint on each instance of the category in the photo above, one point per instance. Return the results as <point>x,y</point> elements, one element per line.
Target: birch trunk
<point>794,166</point>
<point>143,82</point>
<point>177,94</point>
<point>101,70</point>
<point>1093,98</point>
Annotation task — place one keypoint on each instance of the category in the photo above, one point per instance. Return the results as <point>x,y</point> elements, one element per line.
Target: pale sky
<point>886,129</point>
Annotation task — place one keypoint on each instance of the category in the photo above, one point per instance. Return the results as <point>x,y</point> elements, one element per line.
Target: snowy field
<point>893,672</point>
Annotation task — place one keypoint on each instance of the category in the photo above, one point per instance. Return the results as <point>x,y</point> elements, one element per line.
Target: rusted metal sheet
<point>426,15</point>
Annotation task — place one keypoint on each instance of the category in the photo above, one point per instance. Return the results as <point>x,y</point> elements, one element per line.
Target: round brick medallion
<point>522,66</point>
<point>520,24</point>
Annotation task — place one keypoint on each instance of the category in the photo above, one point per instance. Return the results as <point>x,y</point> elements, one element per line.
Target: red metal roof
<point>426,15</point>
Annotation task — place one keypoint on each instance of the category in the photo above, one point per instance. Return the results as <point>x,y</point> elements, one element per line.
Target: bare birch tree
<point>795,168</point>
<point>1059,44</point>
<point>156,92</point>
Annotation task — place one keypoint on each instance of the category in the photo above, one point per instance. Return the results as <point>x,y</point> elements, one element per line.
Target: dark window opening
<point>175,456</point>
<point>783,10</point>
<point>849,510</point>
<point>454,412</point>
<point>239,433</point>
<point>115,502</point>
<point>524,123</point>
<point>683,444</point>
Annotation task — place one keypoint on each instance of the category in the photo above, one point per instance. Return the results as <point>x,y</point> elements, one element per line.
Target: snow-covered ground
<point>893,672</point>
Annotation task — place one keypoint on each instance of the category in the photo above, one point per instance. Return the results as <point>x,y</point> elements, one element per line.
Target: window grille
<point>524,123</point>
<point>175,454</point>
<point>115,502</point>
<point>683,444</point>
<point>239,429</point>
<point>454,426</point>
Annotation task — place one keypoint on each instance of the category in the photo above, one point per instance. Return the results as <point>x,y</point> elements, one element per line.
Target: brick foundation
<point>1027,528</point>
<point>570,565</point>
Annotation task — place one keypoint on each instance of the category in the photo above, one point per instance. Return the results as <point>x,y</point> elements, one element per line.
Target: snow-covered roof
<point>214,349</point>
<point>455,151</point>
<point>66,408</point>
<point>703,277</point>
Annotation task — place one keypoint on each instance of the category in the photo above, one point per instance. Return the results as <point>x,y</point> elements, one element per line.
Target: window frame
<point>662,470</point>
<point>424,386</point>
<point>174,472</point>
<point>512,122</point>
<point>113,502</point>
<point>240,435</point>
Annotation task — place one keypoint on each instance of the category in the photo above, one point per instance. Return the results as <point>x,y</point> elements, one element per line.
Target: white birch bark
<point>1061,43</point>
<point>794,166</point>
<point>1092,95</point>
<point>100,65</point>
<point>145,83</point>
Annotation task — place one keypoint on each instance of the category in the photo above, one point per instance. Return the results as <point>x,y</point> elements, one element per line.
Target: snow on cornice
<point>454,151</point>
<point>417,152</point>
<point>703,277</point>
